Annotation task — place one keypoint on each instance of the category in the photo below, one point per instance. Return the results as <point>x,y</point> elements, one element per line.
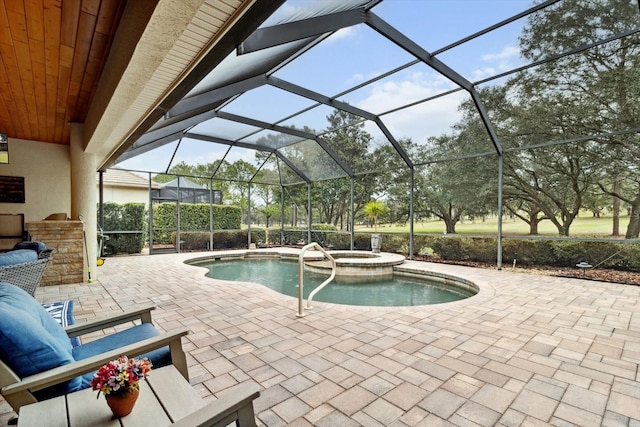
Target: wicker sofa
<point>24,267</point>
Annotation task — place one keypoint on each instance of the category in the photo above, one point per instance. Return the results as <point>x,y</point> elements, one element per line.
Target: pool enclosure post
<point>411,193</point>
<point>351,219</point>
<point>101,201</point>
<point>309,216</point>
<point>500,171</point>
<point>150,216</point>
<point>179,245</point>
<point>282,215</point>
<point>210,214</point>
<point>249,215</point>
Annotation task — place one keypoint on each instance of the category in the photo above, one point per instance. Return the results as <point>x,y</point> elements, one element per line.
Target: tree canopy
<point>568,125</point>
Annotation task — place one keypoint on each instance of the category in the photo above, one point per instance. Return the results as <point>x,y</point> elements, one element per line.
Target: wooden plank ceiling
<point>51,55</point>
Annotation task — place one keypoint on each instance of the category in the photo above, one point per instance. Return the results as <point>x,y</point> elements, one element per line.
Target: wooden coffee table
<point>165,397</point>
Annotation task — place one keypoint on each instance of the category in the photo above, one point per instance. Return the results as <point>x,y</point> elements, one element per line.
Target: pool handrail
<point>301,277</point>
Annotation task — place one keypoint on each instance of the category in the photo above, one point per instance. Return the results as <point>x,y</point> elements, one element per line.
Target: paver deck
<point>527,350</point>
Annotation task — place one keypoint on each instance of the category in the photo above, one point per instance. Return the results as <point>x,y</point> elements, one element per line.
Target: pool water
<point>282,276</point>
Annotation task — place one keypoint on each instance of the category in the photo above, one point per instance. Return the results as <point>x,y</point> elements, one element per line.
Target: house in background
<point>120,186</point>
<point>189,191</point>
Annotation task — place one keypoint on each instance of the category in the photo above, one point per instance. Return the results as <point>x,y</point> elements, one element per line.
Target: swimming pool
<point>282,276</point>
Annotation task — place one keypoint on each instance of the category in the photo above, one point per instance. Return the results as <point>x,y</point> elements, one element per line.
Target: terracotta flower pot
<point>122,405</point>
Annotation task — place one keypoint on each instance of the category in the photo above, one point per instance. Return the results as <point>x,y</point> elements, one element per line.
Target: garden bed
<point>599,274</point>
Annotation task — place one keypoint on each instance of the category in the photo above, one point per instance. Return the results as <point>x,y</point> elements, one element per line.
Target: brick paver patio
<point>527,350</point>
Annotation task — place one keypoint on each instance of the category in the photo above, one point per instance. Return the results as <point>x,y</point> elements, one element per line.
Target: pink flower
<point>120,376</point>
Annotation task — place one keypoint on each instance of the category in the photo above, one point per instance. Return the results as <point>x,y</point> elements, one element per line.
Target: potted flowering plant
<point>119,381</point>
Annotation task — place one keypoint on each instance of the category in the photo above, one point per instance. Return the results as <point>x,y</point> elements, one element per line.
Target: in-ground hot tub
<point>354,264</point>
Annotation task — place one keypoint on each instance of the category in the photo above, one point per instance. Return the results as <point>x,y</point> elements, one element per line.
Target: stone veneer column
<point>84,196</point>
<point>67,261</point>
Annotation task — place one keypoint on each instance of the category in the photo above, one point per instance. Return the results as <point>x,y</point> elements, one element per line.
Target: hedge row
<point>124,217</point>
<point>222,239</point>
<point>193,217</point>
<point>296,235</point>
<point>237,239</point>
<point>557,253</point>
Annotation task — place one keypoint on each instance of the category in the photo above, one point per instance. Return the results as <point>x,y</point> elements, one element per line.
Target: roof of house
<point>183,183</point>
<point>123,178</point>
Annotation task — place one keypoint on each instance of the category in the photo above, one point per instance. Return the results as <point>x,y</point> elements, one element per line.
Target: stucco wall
<point>46,171</point>
<point>122,195</point>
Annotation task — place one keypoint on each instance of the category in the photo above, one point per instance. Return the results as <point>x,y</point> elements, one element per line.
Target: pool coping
<point>485,290</point>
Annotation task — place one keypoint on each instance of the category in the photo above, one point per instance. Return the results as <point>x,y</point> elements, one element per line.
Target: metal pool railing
<point>301,277</point>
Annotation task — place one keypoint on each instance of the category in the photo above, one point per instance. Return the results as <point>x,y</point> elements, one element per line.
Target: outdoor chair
<point>38,361</point>
<point>24,268</point>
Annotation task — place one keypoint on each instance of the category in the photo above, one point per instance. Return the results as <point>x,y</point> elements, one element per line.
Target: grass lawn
<point>582,226</point>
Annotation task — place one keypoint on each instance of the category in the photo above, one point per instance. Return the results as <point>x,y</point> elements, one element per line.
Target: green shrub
<point>164,220</point>
<point>449,248</point>
<point>362,241</point>
<point>323,227</point>
<point>226,217</point>
<point>421,245</point>
<point>193,217</point>
<point>193,240</point>
<point>568,254</point>
<point>394,244</point>
<point>339,241</point>
<point>272,236</point>
<point>229,239</point>
<point>555,253</point>
<point>232,239</point>
<point>222,239</point>
<point>482,250</point>
<point>258,235</point>
<point>124,217</point>
<point>319,234</point>
<point>293,236</point>
<point>528,252</point>
<point>629,258</point>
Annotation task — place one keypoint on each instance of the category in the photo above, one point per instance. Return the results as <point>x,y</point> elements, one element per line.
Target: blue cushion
<point>31,341</point>
<point>159,358</point>
<point>18,257</point>
<point>34,246</point>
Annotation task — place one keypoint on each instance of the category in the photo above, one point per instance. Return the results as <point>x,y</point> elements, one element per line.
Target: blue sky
<point>356,54</point>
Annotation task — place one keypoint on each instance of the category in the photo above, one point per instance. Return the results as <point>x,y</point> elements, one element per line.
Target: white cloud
<point>425,120</point>
<point>356,78</point>
<point>390,93</point>
<point>341,34</point>
<point>507,53</point>
<point>481,73</point>
<point>431,118</point>
<point>507,59</point>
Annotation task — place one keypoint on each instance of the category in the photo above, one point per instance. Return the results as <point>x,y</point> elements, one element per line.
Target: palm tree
<point>373,209</point>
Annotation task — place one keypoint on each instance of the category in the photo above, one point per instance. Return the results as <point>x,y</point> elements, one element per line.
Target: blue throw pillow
<point>17,257</point>
<point>34,246</point>
<point>31,341</point>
